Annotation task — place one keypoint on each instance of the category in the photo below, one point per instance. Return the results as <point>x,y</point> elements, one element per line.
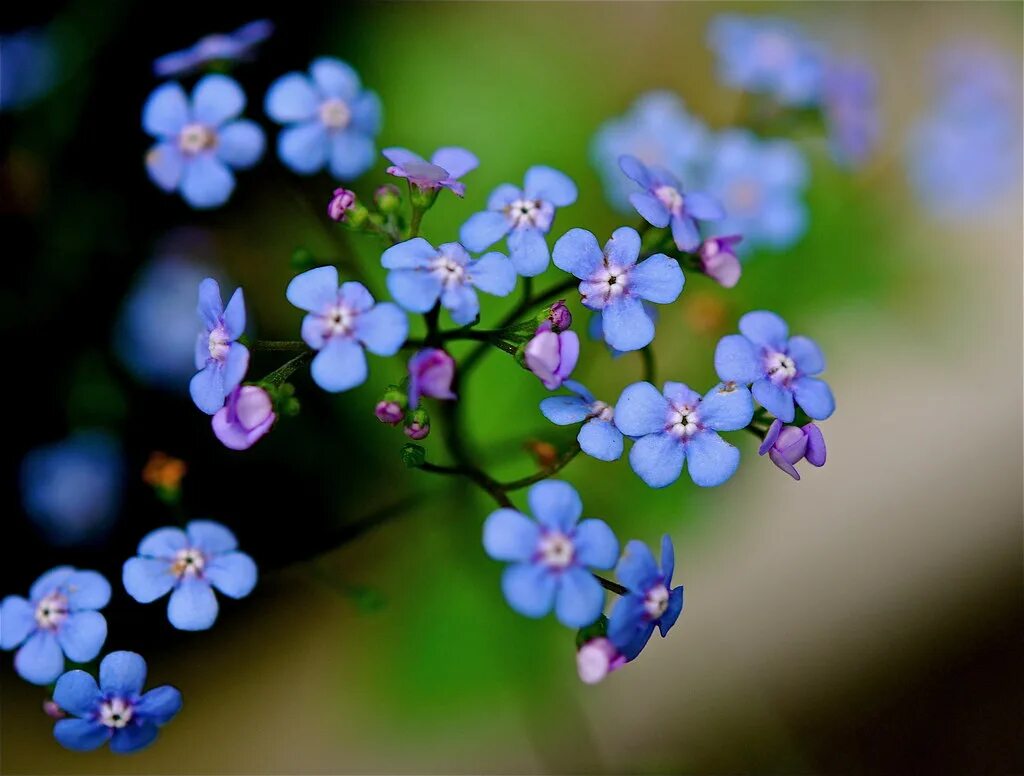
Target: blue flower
<point>617,285</point>
<point>421,274</point>
<point>760,184</point>
<point>525,215</point>
<point>229,47</point>
<point>662,202</point>
<point>550,558</point>
<point>221,360</point>
<point>199,143</point>
<point>330,120</point>
<point>341,322</point>
<point>767,55</point>
<point>679,425</point>
<point>656,129</point>
<point>779,367</point>
<point>188,563</point>
<point>29,66</point>
<point>59,618</point>
<point>117,710</point>
<point>443,170</point>
<point>72,489</point>
<point>850,104</point>
<point>598,437</point>
<point>651,601</point>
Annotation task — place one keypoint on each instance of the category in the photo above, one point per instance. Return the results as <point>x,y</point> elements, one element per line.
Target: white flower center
<point>602,411</point>
<point>116,712</point>
<point>335,114</point>
<point>670,198</point>
<point>220,342</point>
<point>51,611</point>
<point>339,321</point>
<point>449,271</point>
<point>615,278</point>
<point>780,367</point>
<point>530,213</point>
<point>188,562</point>
<point>556,550</point>
<point>683,421</point>
<point>195,138</point>
<point>656,601</point>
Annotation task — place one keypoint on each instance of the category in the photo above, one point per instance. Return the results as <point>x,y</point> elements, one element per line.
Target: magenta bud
<point>552,356</point>
<point>788,445</point>
<point>52,710</point>
<point>387,198</point>
<point>246,417</point>
<point>559,315</point>
<point>431,373</point>
<point>389,412</point>
<point>596,659</point>
<point>341,203</point>
<point>417,430</point>
<point>718,260</point>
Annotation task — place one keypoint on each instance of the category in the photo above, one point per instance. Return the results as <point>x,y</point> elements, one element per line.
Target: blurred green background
<point>865,620</point>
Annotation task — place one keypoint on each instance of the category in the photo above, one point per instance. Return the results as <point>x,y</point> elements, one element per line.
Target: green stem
<point>287,345</point>
<point>607,584</point>
<point>650,366</point>
<point>546,472</point>
<point>283,372</point>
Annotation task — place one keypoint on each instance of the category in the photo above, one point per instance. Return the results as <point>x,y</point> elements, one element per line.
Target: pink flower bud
<point>596,659</point>
<point>389,412</point>
<point>788,445</point>
<point>52,710</point>
<point>341,203</point>
<point>551,356</point>
<point>245,418</point>
<point>431,373</point>
<point>417,430</point>
<point>718,260</point>
<point>559,315</point>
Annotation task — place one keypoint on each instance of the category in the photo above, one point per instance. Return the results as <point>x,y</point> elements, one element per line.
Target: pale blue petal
<point>416,291</point>
<point>341,365</point>
<point>356,296</point>
<point>81,635</point>
<point>657,459</point>
<point>382,329</point>
<point>122,673</point>
<point>671,614</point>
<point>159,704</point>
<point>668,558</point>
<point>657,279</point>
<point>240,144</point>
<point>81,735</point>
<point>147,579</point>
<point>17,620</point>
<point>595,544</point>
<point>555,504</point>
<point>303,147</point>
<point>624,247</point>
<point>684,233</point>
<point>578,253</point>
<point>504,195</point>
<point>367,114</point>
<point>529,589</point>
<point>456,161</point>
<point>411,254</point>
<point>234,314</point>
<point>163,543</point>
<point>334,78</point>
<point>626,619</point>
<point>206,182</point>
<point>650,208</point>
<point>528,251</point>
<point>192,606</point>
<point>777,400</point>
<point>640,410</point>
<point>40,659</point>
<point>680,394</point>
<point>165,164</point>
<point>636,171</point>
<point>77,693</point>
<point>710,459</point>
<point>814,397</point>
<point>210,308</point>
<point>626,324</point>
<point>215,99</point>
<point>510,535</point>
<point>764,328</point>
<point>483,229</point>
<point>493,273</point>
<point>726,408</point>
<point>600,439</point>
<point>580,598</point>
<point>232,573</point>
<point>165,111</point>
<point>210,537</point>
<point>291,98</point>
<point>462,303</point>
<point>50,582</point>
<point>133,738</point>
<point>580,390</point>
<point>637,569</point>
<point>352,154</point>
<point>314,290</point>
<point>565,410</point>
<point>549,185</point>
<point>737,360</point>
<point>402,156</point>
<point>235,367</point>
<point>704,206</point>
<point>807,355</point>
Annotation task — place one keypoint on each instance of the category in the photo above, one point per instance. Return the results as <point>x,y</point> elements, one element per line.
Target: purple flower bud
<point>559,315</point>
<point>341,203</point>
<point>788,445</point>
<point>389,412</point>
<point>417,430</point>
<point>551,356</point>
<point>387,198</point>
<point>431,372</point>
<point>596,659</point>
<point>52,710</point>
<point>718,260</point>
<point>245,418</point>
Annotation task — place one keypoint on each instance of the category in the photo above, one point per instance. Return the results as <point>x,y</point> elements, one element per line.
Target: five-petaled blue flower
<point>662,202</point>
<point>551,557</point>
<point>219,47</point>
<point>221,360</point>
<point>331,120</point>
<point>59,618</point>
<point>679,425</point>
<point>116,710</point>
<point>651,600</point>
<point>617,285</point>
<point>198,143</point>
<point>779,367</point>
<point>421,274</point>
<point>341,322</point>
<point>525,215</point>
<point>598,437</point>
<point>188,562</point>
<point>443,170</point>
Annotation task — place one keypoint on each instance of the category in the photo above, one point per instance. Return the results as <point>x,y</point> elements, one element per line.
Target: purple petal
<point>657,459</point>
<point>457,161</point>
<point>235,367</point>
<point>402,156</point>
<point>192,606</point>
<point>710,459</point>
<point>780,460</point>
<point>815,445</point>
<point>555,504</point>
<point>510,535</point>
<point>770,437</point>
<point>341,365</point>
<point>211,307</point>
<point>671,614</point>
<point>580,598</point>
<point>50,582</point>
<point>232,573</point>
<point>626,619</point>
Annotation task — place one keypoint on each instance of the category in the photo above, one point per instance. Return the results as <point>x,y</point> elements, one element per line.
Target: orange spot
<point>164,471</point>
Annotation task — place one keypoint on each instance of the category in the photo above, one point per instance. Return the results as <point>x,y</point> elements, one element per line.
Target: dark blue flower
<point>29,67</point>
<point>550,557</point>
<point>598,437</point>
<point>190,563</point>
<point>330,120</point>
<point>200,142</point>
<point>525,215</point>
<point>341,322</point>
<point>651,601</point>
<point>58,618</point>
<point>443,170</point>
<point>116,710</point>
<point>779,368</point>
<point>221,360</point>
<point>219,47</point>
<point>679,425</point>
<point>614,283</point>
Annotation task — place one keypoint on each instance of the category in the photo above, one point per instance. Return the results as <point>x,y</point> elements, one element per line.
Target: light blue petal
<point>206,182</point>
<point>210,308</point>
<point>165,164</point>
<point>657,279</point>
<point>356,296</point>
<point>675,608</point>
<point>314,290</point>
<point>210,537</point>
<point>341,365</point>
<point>416,291</point>
<point>637,570</point>
<point>160,704</point>
<point>668,558</point>
<point>580,598</point>
<point>334,78</point>
<point>680,394</point>
<point>510,535</point>
<point>737,360</point>
<point>234,314</point>
<point>235,367</point>
<point>814,397</point>
<point>640,410</point>
<point>81,735</point>
<point>303,148</point>
<point>40,659</point>
<point>122,673</point>
<point>580,390</point>
<point>383,329</point>
<point>777,400</point>
<point>240,144</point>
<point>50,582</point>
<point>402,156</point>
<point>624,246</point>
<point>462,303</point>
<point>626,619</point>
<point>528,251</point>
<point>684,233</point>
<point>81,635</point>
<point>626,324</point>
<point>291,98</point>
<point>565,410</point>
<point>192,606</point>
<point>17,620</point>
<point>764,328</point>
<point>529,589</point>
<point>726,408</point>
<point>77,693</point>
<point>147,579</point>
<point>549,185</point>
<point>710,459</point>
<point>600,439</point>
<point>704,206</point>
<point>483,229</point>
<point>493,273</point>
<point>636,171</point>
<point>232,573</point>
<point>367,114</point>
<point>555,504</point>
<point>133,738</point>
<point>457,161</point>
<point>595,544</point>
<point>578,253</point>
<point>650,208</point>
<point>411,254</point>
<point>807,355</point>
<point>163,543</point>
<point>502,196</point>
<point>165,111</point>
<point>352,154</point>
<point>632,648</point>
<point>215,99</point>
<point>657,459</point>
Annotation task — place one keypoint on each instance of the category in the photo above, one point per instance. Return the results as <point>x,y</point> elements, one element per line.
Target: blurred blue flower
<point>221,360</point>
<point>550,557</point>
<point>680,426</point>
<point>341,322</point>
<point>850,104</point>
<point>421,274</point>
<point>599,437</point>
<point>657,130</point>
<point>190,563</point>
<point>58,618</point>
<point>219,47</point>
<point>71,490</point>
<point>767,55</point>
<point>28,68</point>
<point>443,170</point>
<point>651,601</point>
<point>781,368</point>
<point>616,285</point>
<point>116,710</point>
<point>760,183</point>
<point>525,215</point>
<point>330,120</point>
<point>199,142</point>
